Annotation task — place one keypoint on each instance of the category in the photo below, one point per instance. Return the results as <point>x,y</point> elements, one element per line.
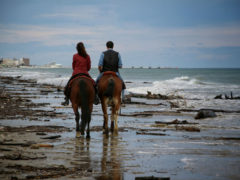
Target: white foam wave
<point>39,77</point>
<point>185,80</point>
<point>58,81</point>
<point>170,86</point>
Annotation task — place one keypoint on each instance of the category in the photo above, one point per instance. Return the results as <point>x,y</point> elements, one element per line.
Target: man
<point>110,60</point>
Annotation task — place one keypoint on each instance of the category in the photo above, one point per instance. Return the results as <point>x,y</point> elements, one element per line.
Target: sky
<point>156,33</point>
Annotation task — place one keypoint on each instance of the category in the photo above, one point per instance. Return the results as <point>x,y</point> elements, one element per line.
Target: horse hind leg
<point>105,117</point>
<point>77,117</point>
<point>115,116</point>
<point>83,123</point>
<point>75,109</point>
<point>85,120</point>
<point>88,131</point>
<point>88,126</point>
<point>114,119</point>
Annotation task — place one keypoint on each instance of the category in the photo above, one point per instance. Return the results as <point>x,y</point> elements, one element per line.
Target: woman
<point>81,65</point>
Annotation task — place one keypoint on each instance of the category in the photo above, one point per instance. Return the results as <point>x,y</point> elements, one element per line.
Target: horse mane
<point>110,88</point>
<point>85,115</point>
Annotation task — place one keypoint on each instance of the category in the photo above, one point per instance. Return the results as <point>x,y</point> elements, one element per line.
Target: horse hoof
<point>115,133</point>
<point>105,131</point>
<point>78,134</point>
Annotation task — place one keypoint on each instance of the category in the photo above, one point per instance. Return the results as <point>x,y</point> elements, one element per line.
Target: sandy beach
<point>158,138</point>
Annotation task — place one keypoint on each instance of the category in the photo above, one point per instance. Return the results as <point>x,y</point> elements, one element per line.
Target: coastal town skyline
<point>151,33</point>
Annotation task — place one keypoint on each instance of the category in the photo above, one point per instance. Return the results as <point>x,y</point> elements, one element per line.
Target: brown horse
<point>109,91</point>
<point>82,96</point>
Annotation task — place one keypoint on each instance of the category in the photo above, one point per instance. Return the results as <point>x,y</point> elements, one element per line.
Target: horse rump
<point>110,89</point>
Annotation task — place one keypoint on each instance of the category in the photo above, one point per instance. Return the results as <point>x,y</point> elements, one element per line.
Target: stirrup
<point>96,100</point>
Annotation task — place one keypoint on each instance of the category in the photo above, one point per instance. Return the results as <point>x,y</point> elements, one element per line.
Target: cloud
<point>50,36</point>
<point>127,38</point>
<point>87,14</point>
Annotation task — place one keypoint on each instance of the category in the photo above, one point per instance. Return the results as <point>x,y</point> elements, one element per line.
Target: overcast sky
<point>165,33</point>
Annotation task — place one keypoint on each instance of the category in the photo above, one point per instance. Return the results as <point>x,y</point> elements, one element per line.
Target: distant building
<point>25,61</point>
<point>15,62</point>
<point>8,62</point>
<point>52,65</point>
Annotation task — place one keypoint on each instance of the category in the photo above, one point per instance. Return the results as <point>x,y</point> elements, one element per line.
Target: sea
<point>198,86</point>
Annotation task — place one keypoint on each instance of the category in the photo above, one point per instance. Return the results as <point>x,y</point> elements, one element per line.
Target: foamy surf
<point>172,86</point>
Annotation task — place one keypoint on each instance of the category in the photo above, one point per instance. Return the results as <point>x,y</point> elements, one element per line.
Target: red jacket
<point>81,64</point>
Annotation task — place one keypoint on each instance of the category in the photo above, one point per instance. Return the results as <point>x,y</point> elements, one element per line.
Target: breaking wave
<point>170,86</point>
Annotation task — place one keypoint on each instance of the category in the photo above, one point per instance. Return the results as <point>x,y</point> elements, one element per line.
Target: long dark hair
<point>81,50</point>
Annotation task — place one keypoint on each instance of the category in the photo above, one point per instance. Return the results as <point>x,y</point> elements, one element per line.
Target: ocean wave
<point>186,80</point>
<point>58,81</point>
<point>39,77</point>
<point>170,85</point>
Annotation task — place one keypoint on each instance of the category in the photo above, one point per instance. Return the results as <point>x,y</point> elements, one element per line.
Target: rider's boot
<point>67,94</point>
<point>96,99</point>
<point>66,102</point>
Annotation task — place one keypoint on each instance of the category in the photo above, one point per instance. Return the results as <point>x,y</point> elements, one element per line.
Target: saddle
<point>81,75</point>
<point>110,73</point>
<point>114,74</point>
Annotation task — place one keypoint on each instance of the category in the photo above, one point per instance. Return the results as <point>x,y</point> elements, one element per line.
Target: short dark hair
<point>109,44</point>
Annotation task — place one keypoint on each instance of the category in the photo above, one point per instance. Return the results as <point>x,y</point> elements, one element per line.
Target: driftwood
<point>4,149</point>
<point>152,178</point>
<point>16,144</point>
<point>149,133</point>
<point>20,156</point>
<point>187,128</point>
<point>229,138</point>
<point>176,121</point>
<point>149,95</point>
<point>51,137</point>
<point>226,96</point>
<point>37,146</point>
<point>137,115</point>
<point>41,133</point>
<point>215,110</point>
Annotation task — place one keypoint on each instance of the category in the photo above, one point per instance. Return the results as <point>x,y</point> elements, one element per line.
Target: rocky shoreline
<point>37,138</point>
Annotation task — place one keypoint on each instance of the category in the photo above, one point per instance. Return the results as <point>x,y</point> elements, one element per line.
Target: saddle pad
<point>110,72</point>
<point>82,76</point>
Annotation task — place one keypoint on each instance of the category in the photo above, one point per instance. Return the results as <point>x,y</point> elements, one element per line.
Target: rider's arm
<point>100,68</point>
<point>100,64</point>
<point>73,63</point>
<point>88,63</point>
<point>119,61</point>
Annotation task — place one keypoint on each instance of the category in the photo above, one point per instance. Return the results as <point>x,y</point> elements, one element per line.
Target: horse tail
<point>85,115</point>
<point>110,88</point>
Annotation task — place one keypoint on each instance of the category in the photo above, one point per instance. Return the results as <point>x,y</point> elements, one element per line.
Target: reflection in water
<point>82,155</point>
<point>107,166</point>
<point>111,159</point>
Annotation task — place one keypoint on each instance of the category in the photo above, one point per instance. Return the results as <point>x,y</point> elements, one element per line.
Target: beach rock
<point>205,113</point>
<point>187,128</point>
<point>218,96</point>
<point>231,97</point>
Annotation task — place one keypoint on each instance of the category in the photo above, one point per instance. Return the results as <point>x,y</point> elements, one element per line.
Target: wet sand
<point>157,137</point>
